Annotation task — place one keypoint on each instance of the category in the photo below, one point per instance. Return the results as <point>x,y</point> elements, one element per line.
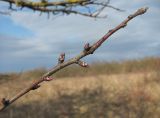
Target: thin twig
<point>76,60</point>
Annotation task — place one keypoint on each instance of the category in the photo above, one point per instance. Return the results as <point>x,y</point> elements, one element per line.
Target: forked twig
<point>63,7</point>
<point>88,49</point>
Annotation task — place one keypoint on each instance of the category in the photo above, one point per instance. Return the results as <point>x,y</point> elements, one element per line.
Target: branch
<point>76,60</point>
<point>63,7</point>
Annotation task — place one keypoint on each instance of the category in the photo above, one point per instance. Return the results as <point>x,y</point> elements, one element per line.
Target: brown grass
<point>133,93</point>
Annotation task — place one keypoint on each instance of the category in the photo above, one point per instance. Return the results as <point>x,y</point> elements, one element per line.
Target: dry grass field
<point>129,89</point>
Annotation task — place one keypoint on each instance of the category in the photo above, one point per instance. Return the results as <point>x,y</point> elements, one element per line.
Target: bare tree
<point>89,8</point>
<point>88,49</point>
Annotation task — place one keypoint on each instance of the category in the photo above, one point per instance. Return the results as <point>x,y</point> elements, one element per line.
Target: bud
<point>35,87</point>
<point>83,64</point>
<point>48,78</point>
<point>5,102</point>
<point>86,47</point>
<point>61,58</point>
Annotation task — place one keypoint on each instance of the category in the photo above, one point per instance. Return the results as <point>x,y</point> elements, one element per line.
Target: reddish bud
<point>87,47</point>
<point>83,64</point>
<point>5,102</point>
<point>48,79</point>
<point>35,87</point>
<point>61,58</point>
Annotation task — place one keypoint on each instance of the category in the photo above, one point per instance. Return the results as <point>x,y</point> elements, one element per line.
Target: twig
<point>63,7</point>
<point>76,60</point>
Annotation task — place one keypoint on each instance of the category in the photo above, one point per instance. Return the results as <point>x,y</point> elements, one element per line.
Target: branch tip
<point>139,12</point>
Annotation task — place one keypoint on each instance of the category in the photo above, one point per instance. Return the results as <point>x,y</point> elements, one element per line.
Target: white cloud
<point>69,33</point>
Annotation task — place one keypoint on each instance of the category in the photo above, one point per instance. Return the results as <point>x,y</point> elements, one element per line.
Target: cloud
<point>69,34</point>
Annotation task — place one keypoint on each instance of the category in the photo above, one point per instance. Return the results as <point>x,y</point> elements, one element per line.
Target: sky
<point>29,41</point>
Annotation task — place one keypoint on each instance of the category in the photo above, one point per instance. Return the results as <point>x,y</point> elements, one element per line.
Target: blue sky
<point>30,41</point>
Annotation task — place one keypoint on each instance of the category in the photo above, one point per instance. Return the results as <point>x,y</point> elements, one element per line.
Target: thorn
<point>5,102</point>
<point>61,58</point>
<point>48,78</point>
<point>83,64</point>
<point>86,47</point>
<point>35,87</point>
